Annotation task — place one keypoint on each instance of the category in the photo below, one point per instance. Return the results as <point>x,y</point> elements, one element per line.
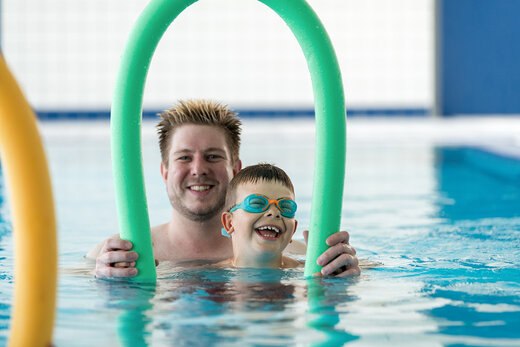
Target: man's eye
<point>183,158</point>
<point>214,156</point>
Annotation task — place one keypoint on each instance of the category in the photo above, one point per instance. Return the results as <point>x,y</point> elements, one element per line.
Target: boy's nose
<point>273,211</point>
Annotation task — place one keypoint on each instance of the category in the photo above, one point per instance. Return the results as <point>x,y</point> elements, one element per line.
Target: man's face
<point>256,234</point>
<point>199,170</point>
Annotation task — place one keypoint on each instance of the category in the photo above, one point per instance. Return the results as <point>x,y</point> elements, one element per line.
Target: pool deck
<point>499,135</point>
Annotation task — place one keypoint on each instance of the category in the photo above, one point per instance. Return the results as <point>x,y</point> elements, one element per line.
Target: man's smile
<point>201,187</point>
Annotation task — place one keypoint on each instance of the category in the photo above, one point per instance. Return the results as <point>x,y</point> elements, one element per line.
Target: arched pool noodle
<point>34,225</point>
<point>126,119</point>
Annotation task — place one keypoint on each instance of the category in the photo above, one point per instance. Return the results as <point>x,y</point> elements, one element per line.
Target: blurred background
<point>65,55</point>
<point>404,57</point>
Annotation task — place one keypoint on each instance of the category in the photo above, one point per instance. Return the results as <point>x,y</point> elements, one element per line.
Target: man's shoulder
<point>296,247</point>
<point>159,228</point>
<point>289,262</point>
<point>159,234</point>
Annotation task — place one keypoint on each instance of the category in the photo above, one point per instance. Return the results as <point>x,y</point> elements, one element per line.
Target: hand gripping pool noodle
<point>34,224</point>
<point>132,211</point>
<point>126,119</point>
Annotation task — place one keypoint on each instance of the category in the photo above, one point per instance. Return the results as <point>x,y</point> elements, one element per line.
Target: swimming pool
<point>424,197</point>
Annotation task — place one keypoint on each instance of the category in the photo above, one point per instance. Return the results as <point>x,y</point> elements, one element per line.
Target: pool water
<point>429,202</point>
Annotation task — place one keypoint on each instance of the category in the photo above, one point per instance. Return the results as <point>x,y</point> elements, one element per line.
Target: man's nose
<point>199,166</point>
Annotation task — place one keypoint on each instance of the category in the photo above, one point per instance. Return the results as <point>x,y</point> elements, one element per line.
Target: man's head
<point>199,112</point>
<point>261,211</point>
<point>199,146</point>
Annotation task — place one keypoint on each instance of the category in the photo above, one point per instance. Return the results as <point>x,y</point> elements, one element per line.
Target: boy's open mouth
<point>268,232</point>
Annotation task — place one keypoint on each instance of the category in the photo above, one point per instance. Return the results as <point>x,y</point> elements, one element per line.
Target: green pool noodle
<point>125,124</point>
<point>329,165</point>
<point>329,105</point>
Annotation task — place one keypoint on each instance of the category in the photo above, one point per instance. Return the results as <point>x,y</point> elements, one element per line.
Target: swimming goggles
<point>257,203</point>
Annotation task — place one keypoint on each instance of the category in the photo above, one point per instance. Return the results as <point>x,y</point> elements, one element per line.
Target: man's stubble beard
<point>201,216</point>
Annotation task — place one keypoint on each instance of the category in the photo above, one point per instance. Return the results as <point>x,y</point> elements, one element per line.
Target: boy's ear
<point>295,226</point>
<point>226,222</point>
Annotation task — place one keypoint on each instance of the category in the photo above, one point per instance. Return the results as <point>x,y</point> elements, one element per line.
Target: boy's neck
<point>273,261</point>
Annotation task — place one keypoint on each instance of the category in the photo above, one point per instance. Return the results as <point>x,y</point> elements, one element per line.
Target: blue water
<point>443,222</point>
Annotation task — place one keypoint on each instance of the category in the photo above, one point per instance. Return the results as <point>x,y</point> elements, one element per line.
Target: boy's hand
<point>116,260</point>
<point>340,259</point>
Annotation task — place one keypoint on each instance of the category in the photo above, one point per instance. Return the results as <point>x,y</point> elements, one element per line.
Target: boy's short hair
<point>255,173</point>
<point>199,112</point>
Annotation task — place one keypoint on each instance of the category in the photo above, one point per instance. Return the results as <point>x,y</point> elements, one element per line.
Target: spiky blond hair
<point>201,112</point>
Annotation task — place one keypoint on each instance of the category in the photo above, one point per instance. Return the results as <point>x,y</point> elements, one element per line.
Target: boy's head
<point>261,211</point>
<point>199,112</point>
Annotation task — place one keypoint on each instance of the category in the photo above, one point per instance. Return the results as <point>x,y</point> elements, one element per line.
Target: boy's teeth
<point>268,232</point>
<point>199,188</point>
<point>268,227</point>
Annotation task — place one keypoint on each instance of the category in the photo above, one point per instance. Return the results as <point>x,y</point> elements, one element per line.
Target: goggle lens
<point>257,203</point>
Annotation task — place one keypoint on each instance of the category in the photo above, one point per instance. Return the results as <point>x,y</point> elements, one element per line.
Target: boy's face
<point>252,233</point>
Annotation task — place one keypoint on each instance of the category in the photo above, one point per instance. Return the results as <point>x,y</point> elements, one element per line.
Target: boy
<point>260,219</point>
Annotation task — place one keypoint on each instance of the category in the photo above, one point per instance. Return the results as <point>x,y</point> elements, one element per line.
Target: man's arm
<point>114,258</point>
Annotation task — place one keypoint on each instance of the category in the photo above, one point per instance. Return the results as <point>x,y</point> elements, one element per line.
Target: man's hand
<point>340,259</point>
<point>115,259</point>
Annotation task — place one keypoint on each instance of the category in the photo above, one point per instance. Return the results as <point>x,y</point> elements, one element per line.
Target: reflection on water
<point>476,184</point>
<point>476,265</point>
<point>247,306</point>
<point>490,315</point>
<point>444,222</point>
<point>4,226</point>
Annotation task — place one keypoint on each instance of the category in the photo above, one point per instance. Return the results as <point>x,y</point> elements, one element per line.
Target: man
<point>199,142</point>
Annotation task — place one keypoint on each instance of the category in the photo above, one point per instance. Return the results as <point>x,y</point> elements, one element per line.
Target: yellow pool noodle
<point>34,225</point>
